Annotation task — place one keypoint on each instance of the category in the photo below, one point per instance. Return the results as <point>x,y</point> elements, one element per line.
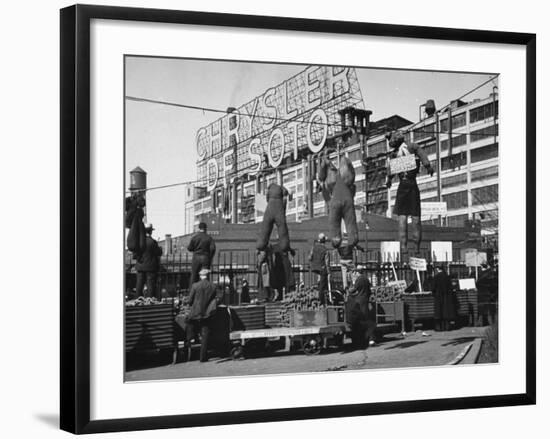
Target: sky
<point>161,139</point>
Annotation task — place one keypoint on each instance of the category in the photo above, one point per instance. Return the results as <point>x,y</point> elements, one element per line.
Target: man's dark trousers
<point>198,262</point>
<point>149,278</point>
<point>323,284</point>
<point>204,327</point>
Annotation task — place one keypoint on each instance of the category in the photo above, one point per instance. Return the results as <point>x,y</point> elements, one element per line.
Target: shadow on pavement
<point>460,340</point>
<point>406,344</point>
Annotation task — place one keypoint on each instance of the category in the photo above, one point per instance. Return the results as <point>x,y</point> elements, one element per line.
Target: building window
<point>459,120</point>
<point>375,197</point>
<point>485,153</point>
<point>456,220</point>
<point>484,174</point>
<point>485,195</point>
<point>355,155</point>
<point>288,178</point>
<point>318,196</point>
<point>456,200</point>
<point>484,133</point>
<point>428,186</point>
<point>455,180</point>
<point>379,208</point>
<point>424,132</point>
<point>429,148</point>
<point>377,148</point>
<point>319,211</point>
<point>429,200</point>
<point>483,112</point>
<point>453,162</point>
<point>459,140</point>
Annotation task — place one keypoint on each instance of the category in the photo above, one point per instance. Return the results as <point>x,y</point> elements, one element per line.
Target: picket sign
<point>430,209</point>
<point>402,164</point>
<point>399,285</point>
<point>260,203</point>
<point>418,264</point>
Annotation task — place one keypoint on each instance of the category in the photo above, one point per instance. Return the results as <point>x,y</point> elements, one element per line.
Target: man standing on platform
<point>203,247</point>
<point>203,302</point>
<point>319,262</point>
<point>148,265</point>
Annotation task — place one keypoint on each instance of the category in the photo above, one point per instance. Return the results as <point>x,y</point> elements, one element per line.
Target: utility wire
<point>252,116</point>
<point>281,121</point>
<point>274,118</point>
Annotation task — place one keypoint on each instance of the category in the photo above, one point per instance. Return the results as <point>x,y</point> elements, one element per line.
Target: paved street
<point>413,350</point>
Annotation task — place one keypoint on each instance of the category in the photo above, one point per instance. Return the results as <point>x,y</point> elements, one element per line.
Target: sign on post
<point>402,164</point>
<point>398,285</point>
<point>442,251</point>
<point>260,203</point>
<point>467,284</point>
<point>418,264</point>
<point>433,208</point>
<point>473,258</point>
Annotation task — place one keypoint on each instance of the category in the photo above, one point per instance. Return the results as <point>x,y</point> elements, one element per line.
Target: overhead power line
<point>282,121</point>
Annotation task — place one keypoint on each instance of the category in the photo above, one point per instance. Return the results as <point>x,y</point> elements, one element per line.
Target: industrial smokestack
<point>232,125</point>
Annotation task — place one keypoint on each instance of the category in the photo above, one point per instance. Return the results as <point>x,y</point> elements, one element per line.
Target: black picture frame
<point>75,217</point>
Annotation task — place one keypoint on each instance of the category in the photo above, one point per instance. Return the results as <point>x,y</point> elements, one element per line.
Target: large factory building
<point>279,136</point>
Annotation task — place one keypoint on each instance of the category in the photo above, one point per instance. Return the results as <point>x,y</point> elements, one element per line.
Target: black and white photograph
<point>274,219</point>
<point>290,219</point>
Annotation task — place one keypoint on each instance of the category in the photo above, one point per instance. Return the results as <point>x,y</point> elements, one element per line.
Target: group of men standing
<point>275,273</point>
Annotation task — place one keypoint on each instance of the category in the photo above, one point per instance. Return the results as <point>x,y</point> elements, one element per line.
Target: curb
<point>469,354</point>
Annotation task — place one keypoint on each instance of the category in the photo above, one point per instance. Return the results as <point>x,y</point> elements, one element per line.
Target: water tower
<point>138,180</point>
<point>138,187</point>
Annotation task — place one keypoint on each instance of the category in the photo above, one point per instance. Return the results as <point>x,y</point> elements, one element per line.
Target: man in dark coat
<point>134,213</point>
<point>487,287</point>
<point>360,312</point>
<point>444,303</point>
<point>407,199</point>
<point>203,247</point>
<point>203,302</point>
<point>245,292</point>
<point>148,264</point>
<point>264,266</point>
<point>319,263</point>
<point>282,274</point>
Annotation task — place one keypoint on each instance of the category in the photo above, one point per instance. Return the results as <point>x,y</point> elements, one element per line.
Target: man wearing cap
<point>148,264</point>
<point>407,199</point>
<point>319,263</point>
<point>203,247</point>
<point>203,302</point>
<point>360,311</point>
